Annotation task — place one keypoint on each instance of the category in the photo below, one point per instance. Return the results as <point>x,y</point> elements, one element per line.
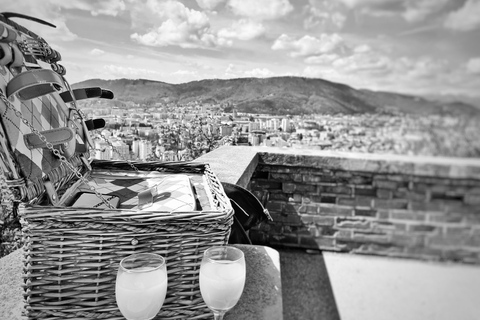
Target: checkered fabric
<point>171,192</point>
<point>43,113</point>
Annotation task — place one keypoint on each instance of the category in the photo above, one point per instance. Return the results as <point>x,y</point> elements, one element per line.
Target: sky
<point>407,46</point>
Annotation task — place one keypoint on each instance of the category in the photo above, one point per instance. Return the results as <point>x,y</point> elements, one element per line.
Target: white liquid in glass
<point>221,284</point>
<point>141,295</point>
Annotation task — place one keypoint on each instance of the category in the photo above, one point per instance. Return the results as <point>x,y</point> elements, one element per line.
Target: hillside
<point>278,95</point>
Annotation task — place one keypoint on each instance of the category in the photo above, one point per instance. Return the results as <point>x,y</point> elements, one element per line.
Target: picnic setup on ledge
<point>114,239</point>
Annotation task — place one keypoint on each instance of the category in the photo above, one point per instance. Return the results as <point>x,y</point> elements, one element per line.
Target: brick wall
<point>381,205</point>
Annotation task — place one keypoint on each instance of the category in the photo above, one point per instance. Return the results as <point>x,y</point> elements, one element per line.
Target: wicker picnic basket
<point>72,252</point>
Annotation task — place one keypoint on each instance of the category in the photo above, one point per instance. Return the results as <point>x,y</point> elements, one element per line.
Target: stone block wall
<point>423,208</point>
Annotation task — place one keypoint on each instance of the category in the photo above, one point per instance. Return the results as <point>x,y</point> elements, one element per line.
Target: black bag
<point>249,212</point>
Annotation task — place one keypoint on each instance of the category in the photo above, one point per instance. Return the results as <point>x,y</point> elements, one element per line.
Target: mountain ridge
<point>278,96</point>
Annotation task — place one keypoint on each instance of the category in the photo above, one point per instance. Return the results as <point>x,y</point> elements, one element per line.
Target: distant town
<point>174,132</point>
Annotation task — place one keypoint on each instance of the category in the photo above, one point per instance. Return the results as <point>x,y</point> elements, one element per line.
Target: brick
<point>472,199</point>
<point>419,187</point>
<point>328,198</point>
<point>460,207</point>
<point>447,241</point>
<point>288,187</point>
<point>317,178</point>
<point>473,241</point>
<point>407,215</point>
<point>405,240</point>
<point>344,234</point>
<point>281,176</point>
<point>386,184</point>
<point>307,218</point>
<point>387,226</point>
<point>337,189</point>
<point>306,188</point>
<point>458,230</point>
<point>384,193</point>
<point>278,196</point>
<point>361,201</point>
<point>335,210</point>
<point>383,214</point>
<point>357,180</point>
<point>297,177</point>
<point>327,231</point>
<point>273,206</point>
<point>370,237</point>
<point>267,184</point>
<point>390,203</point>
<point>343,174</point>
<point>445,217</point>
<point>425,206</point>
<point>415,196</point>
<point>324,221</point>
<point>297,197</point>
<point>472,218</point>
<point>353,224</point>
<point>370,191</point>
<point>365,212</point>
<point>295,208</point>
<point>423,228</point>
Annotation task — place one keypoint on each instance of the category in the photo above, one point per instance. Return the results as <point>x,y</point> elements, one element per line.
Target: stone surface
<point>262,296</point>
<point>261,299</point>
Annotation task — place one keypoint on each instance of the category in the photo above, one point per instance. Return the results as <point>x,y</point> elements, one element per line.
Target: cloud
<point>410,10</point>
<point>233,71</point>
<point>259,73</point>
<point>117,71</point>
<point>96,52</point>
<point>209,4</point>
<point>323,13</point>
<point>308,45</point>
<point>260,10</point>
<point>418,10</point>
<point>466,18</point>
<point>473,66</point>
<point>243,29</point>
<point>171,23</point>
<point>325,59</point>
<point>104,7</point>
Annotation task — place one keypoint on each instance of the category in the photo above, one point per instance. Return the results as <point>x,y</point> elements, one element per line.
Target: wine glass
<point>222,278</point>
<point>141,286</point>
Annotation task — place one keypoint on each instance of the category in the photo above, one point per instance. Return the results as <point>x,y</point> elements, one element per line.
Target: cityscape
<point>168,131</point>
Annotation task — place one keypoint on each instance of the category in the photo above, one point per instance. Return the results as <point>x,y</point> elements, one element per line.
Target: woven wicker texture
<point>72,254</point>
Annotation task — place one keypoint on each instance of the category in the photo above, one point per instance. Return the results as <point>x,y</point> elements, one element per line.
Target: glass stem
<point>218,315</point>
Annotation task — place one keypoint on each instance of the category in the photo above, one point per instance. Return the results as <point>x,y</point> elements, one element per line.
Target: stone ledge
<point>236,164</point>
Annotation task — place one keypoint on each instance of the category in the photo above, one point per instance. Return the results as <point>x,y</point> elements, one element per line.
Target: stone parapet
<point>413,207</point>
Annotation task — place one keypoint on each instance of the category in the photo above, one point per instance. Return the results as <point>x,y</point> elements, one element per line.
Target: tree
<point>196,137</point>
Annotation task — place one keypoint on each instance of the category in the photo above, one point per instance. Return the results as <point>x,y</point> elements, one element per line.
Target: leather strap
<point>54,136</point>
<point>17,60</point>
<point>34,83</point>
<point>86,93</point>
<point>5,54</point>
<point>94,124</point>
<point>7,34</point>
